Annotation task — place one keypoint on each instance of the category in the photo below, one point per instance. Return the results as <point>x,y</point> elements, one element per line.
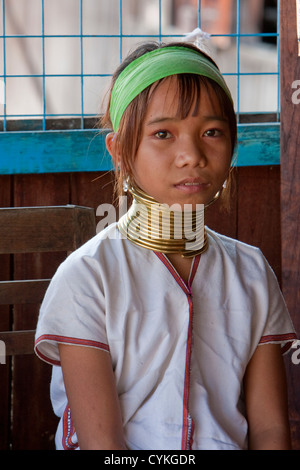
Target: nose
<point>190,152</point>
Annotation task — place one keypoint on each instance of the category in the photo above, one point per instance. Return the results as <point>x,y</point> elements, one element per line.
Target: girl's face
<point>183,161</point>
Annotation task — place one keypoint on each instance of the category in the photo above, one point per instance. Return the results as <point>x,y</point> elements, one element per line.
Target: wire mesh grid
<point>57,56</point>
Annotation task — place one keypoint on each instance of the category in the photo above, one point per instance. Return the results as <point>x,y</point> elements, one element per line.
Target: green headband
<point>153,66</point>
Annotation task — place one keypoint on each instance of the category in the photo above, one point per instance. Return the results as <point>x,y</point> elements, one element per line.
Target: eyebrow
<point>171,118</point>
<point>161,119</point>
<point>216,118</point>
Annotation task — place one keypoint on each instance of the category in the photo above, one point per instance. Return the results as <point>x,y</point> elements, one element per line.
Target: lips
<point>193,182</point>
<point>192,185</point>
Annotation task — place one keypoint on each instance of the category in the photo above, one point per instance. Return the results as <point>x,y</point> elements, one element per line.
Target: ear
<point>113,148</point>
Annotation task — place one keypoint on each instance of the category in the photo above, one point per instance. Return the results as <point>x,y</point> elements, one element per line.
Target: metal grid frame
<point>238,35</point>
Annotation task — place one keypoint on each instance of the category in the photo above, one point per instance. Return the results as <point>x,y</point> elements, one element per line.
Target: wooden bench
<point>33,241</point>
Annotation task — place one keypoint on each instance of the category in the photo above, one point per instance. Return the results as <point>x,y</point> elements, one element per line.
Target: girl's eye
<point>213,133</point>
<point>163,135</point>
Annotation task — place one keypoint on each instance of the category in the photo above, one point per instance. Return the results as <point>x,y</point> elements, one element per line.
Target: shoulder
<point>232,247</point>
<point>246,260</point>
<point>249,283</point>
<point>94,257</point>
<point>108,239</point>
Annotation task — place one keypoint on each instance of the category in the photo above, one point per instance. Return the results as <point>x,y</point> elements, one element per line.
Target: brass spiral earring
<point>217,196</point>
<point>125,185</point>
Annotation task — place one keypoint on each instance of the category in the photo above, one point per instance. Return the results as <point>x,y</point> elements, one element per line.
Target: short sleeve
<point>278,327</point>
<point>73,310</point>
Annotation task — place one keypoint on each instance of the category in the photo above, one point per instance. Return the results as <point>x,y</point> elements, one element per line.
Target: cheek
<point>221,175</point>
<point>149,160</point>
<point>224,161</point>
<point>141,170</point>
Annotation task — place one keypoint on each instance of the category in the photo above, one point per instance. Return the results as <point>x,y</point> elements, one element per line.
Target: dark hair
<point>189,87</point>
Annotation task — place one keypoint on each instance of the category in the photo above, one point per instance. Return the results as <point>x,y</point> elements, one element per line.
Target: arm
<point>266,400</point>
<point>92,395</point>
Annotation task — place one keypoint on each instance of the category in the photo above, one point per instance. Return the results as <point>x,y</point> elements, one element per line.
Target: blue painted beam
<point>52,152</point>
<point>258,144</point>
<point>84,150</point>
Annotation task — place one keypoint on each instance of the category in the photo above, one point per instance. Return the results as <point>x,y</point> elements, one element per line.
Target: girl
<point>164,334</point>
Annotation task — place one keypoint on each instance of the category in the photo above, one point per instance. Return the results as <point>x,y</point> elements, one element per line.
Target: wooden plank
<point>84,150</point>
<point>290,192</point>
<point>222,220</point>
<point>43,228</point>
<point>23,292</point>
<point>92,189</point>
<point>18,342</point>
<point>34,422</point>
<point>5,265</point>
<point>259,212</point>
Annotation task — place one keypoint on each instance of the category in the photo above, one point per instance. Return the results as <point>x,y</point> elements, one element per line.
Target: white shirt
<point>179,352</point>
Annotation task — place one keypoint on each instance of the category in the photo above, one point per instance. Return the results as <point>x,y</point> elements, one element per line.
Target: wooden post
<point>290,191</point>
<point>5,390</point>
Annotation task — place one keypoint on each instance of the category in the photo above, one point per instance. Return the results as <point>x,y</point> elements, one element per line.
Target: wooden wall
<point>254,218</point>
<point>290,191</point>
